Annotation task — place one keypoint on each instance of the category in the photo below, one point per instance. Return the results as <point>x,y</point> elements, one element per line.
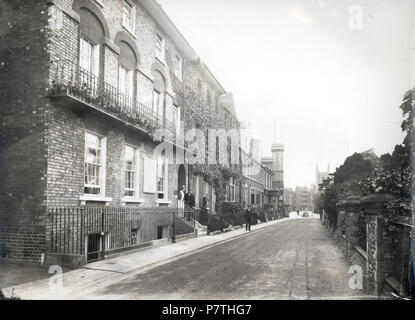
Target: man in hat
<point>248,218</point>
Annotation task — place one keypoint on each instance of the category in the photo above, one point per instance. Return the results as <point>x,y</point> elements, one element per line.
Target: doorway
<point>94,247</point>
<point>181,179</point>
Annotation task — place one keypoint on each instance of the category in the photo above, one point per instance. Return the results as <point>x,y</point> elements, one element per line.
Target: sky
<point>330,74</point>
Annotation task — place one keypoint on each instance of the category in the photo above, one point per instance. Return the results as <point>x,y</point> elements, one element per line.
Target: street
<point>295,259</point>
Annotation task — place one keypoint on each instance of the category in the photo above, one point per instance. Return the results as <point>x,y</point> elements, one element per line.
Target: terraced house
<point>85,87</point>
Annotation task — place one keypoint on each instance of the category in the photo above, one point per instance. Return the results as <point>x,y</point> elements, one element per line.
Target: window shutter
<point>150,176</point>
<point>137,173</point>
<point>104,165</point>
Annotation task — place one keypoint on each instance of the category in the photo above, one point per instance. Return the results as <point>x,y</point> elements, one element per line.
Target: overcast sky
<point>331,81</point>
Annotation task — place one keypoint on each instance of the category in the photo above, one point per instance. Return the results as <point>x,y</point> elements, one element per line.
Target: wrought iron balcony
<point>69,79</point>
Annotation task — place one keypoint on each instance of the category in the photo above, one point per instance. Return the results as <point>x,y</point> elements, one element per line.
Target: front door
<point>181,179</point>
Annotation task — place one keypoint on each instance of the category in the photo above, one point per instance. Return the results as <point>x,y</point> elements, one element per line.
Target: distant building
<point>276,165</point>
<point>321,175</point>
<point>289,199</point>
<point>301,198</point>
<point>304,198</point>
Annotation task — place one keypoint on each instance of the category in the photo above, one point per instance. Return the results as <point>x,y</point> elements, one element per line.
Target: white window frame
<point>136,197</point>
<point>130,27</point>
<point>232,190</point>
<point>178,66</point>
<point>165,162</point>
<point>93,60</point>
<point>246,194</point>
<point>159,105</point>
<point>126,81</point>
<point>159,47</point>
<point>102,174</point>
<point>162,163</point>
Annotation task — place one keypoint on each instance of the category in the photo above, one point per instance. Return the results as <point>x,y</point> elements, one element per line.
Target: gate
<point>397,250</point>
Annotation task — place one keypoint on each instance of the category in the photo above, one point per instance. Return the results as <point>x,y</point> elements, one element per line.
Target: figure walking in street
<point>248,218</point>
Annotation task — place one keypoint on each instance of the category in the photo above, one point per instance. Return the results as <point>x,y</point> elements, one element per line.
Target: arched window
<point>127,74</point>
<point>91,36</point>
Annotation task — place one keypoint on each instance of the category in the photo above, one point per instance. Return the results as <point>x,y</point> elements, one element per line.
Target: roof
<point>170,29</point>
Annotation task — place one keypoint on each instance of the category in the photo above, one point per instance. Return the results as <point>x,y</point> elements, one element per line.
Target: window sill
<point>131,200</point>
<point>162,201</point>
<point>93,198</point>
<point>131,32</point>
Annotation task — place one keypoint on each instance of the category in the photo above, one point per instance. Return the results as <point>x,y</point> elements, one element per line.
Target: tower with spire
<point>277,150</point>
<point>276,164</point>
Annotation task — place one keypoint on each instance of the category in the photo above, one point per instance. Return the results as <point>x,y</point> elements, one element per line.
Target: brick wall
<point>42,139</point>
<point>24,65</point>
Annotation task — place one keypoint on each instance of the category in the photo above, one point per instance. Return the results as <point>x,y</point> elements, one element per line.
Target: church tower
<point>277,150</point>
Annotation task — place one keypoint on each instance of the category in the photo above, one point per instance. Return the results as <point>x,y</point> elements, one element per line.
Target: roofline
<point>252,158</point>
<point>167,25</point>
<point>204,69</point>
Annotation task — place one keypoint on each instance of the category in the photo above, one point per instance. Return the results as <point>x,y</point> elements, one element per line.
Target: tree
<point>353,166</point>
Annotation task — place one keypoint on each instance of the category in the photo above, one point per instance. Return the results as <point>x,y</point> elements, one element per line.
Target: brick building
<point>257,181</point>
<point>85,85</point>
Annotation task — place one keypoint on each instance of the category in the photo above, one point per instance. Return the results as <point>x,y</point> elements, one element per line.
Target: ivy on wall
<point>197,113</point>
<point>390,174</point>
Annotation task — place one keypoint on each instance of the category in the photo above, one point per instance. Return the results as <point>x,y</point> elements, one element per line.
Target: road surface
<point>295,259</point>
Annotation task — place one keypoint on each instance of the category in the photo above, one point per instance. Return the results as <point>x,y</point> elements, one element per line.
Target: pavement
<point>83,283</point>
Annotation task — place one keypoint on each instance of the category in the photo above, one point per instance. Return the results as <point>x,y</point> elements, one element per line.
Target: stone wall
<point>385,257</point>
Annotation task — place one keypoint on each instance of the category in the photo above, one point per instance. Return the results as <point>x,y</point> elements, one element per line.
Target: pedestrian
<point>248,218</point>
<point>298,212</point>
<point>180,201</point>
<point>192,201</point>
<point>186,199</point>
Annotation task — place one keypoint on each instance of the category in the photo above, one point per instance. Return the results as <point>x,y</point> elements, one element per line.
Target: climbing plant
<point>197,113</point>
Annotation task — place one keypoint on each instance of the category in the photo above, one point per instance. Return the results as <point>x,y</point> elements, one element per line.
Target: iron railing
<point>69,79</point>
<point>95,232</point>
